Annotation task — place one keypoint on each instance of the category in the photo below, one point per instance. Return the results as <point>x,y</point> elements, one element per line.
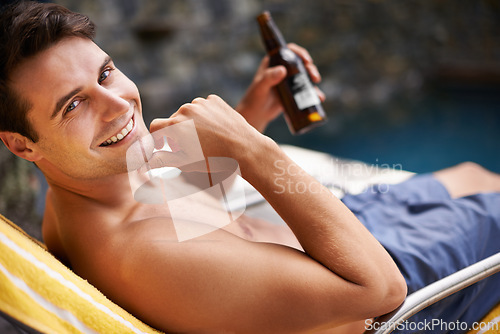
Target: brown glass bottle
<point>303,109</point>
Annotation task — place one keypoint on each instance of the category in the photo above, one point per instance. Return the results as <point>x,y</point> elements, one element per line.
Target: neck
<point>110,191</point>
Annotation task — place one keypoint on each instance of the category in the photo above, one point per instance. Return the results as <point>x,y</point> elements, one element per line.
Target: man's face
<point>80,103</point>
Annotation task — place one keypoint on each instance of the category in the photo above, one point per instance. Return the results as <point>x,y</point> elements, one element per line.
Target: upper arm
<point>222,282</point>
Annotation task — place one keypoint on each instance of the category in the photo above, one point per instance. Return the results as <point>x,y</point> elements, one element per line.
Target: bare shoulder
<point>149,272</point>
<point>217,281</point>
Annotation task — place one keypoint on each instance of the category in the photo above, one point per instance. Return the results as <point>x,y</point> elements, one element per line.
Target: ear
<point>20,146</point>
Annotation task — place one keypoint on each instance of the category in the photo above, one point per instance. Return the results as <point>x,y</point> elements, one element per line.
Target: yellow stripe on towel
<point>22,307</point>
<point>490,324</point>
<point>39,291</point>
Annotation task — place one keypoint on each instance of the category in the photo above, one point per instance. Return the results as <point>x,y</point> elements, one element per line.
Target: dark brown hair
<point>26,29</point>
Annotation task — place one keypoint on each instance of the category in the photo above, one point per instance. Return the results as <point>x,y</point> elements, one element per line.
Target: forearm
<point>326,229</point>
<point>259,123</point>
<point>346,275</point>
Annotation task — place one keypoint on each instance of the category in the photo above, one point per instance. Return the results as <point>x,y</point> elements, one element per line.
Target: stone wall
<point>368,51</point>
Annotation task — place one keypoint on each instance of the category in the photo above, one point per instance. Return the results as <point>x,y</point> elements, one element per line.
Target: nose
<point>111,104</point>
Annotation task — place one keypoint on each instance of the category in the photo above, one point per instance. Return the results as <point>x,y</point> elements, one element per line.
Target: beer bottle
<point>303,109</point>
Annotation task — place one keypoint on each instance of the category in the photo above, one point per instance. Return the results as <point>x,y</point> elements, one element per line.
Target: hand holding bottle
<point>303,109</point>
<point>261,103</point>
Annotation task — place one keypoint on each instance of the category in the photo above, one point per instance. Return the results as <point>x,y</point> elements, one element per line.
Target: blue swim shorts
<point>430,235</point>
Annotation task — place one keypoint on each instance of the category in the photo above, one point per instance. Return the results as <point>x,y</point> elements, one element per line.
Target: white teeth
<point>120,135</point>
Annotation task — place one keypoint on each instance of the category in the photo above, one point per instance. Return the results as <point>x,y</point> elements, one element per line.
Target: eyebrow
<point>60,103</point>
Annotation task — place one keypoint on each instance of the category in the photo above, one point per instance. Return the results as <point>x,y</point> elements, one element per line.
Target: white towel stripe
<point>59,312</point>
<point>70,285</point>
<point>495,322</point>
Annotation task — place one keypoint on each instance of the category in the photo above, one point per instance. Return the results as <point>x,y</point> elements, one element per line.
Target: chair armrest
<point>436,291</point>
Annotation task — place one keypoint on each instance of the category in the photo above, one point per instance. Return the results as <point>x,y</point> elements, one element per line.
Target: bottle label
<point>303,91</point>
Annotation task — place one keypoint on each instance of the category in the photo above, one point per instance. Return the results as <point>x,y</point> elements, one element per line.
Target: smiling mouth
<point>120,135</point>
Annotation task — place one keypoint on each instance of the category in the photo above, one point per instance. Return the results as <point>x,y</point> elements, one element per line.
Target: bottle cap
<point>264,16</point>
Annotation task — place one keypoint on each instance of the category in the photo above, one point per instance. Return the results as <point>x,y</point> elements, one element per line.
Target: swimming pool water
<point>435,132</point>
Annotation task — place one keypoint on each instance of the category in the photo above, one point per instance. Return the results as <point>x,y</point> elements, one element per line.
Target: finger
<point>216,98</point>
<point>159,123</point>
<point>165,159</point>
<point>321,95</point>
<point>174,159</point>
<point>198,100</point>
<point>155,128</point>
<point>263,64</point>
<point>163,142</point>
<point>301,52</point>
<point>308,61</point>
<point>313,73</point>
<point>179,138</point>
<point>172,143</point>
<point>274,75</point>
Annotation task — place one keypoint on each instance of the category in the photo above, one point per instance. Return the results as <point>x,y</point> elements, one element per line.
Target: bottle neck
<point>270,33</point>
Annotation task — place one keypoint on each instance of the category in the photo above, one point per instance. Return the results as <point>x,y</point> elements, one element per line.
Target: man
<point>66,107</point>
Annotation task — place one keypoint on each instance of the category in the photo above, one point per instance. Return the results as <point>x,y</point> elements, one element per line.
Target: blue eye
<point>104,75</point>
<point>72,106</point>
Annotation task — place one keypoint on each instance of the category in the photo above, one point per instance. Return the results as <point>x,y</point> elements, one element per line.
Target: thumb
<point>274,75</point>
<point>159,123</point>
<point>165,159</point>
<point>175,159</point>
